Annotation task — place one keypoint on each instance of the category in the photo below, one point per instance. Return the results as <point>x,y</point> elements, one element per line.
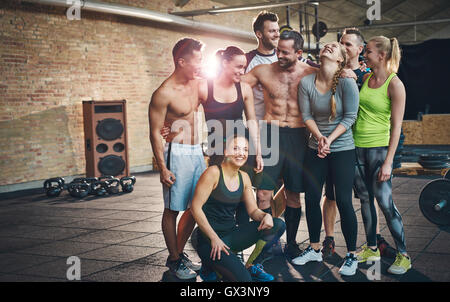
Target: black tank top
<point>223,111</point>
<point>220,208</point>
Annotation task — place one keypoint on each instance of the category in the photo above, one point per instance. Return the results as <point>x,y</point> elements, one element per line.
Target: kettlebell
<point>54,186</point>
<point>127,184</point>
<point>112,185</point>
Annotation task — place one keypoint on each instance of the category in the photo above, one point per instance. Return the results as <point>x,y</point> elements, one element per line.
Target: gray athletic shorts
<point>187,163</point>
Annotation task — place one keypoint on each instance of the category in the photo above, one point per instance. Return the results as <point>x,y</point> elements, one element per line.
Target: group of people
<point>335,123</point>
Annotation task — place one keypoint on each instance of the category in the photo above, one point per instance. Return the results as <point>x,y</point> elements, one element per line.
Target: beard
<point>268,44</point>
<point>285,64</point>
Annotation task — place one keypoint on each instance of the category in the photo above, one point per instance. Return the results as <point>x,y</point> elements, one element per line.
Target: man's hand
<point>266,223</point>
<point>362,66</point>
<point>348,73</point>
<point>165,131</point>
<point>167,177</point>
<point>259,164</point>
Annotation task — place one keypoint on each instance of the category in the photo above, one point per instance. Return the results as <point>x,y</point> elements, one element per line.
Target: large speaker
<point>105,133</point>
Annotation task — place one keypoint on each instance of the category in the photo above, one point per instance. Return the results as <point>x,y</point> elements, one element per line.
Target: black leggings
<point>341,167</point>
<point>239,239</point>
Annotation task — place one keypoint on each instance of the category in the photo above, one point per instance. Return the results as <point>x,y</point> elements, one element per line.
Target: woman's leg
<point>229,266</point>
<point>363,188</point>
<point>315,171</point>
<point>343,173</point>
<point>383,194</point>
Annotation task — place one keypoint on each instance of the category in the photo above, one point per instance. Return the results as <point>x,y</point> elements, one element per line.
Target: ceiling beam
<point>392,24</point>
<point>428,14</point>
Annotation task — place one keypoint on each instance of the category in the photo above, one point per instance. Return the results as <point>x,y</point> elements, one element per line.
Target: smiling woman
<point>219,191</point>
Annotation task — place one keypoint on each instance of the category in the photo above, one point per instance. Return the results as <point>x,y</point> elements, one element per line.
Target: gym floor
<point>119,238</point>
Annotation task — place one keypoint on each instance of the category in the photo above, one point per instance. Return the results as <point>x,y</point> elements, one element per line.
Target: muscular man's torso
<point>280,89</point>
<point>180,116</point>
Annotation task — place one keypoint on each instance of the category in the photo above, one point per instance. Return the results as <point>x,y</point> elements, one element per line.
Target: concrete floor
<point>119,238</point>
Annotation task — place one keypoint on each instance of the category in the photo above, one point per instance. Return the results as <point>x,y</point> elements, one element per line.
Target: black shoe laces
<point>349,260</point>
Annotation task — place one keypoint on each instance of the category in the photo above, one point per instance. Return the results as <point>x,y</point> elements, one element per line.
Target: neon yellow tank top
<point>373,124</point>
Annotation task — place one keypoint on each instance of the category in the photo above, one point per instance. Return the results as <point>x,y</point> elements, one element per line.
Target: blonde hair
<point>336,82</point>
<point>392,50</point>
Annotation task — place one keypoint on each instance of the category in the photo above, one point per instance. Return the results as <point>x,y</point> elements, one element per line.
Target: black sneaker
<point>292,250</point>
<point>385,249</point>
<point>328,247</point>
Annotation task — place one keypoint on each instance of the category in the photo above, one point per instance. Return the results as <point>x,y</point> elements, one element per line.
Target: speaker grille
<point>109,129</point>
<point>111,165</point>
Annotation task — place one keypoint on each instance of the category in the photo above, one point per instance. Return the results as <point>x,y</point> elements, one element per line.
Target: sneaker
<point>367,254</point>
<point>258,274</point>
<point>350,265</point>
<point>180,270</point>
<point>385,249</point>
<point>240,256</point>
<point>401,265</point>
<point>292,250</point>
<point>208,275</point>
<point>307,255</point>
<point>328,247</point>
<point>188,263</point>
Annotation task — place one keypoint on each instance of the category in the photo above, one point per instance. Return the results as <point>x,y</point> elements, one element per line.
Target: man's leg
<point>168,225</point>
<point>185,227</point>
<point>292,215</point>
<point>264,197</point>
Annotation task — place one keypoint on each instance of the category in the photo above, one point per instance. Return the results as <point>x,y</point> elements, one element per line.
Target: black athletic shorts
<point>290,153</point>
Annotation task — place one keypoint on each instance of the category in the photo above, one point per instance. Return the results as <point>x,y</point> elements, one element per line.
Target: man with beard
<point>279,82</point>
<point>267,31</point>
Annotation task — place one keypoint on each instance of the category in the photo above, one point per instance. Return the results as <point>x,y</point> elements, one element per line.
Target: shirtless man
<point>181,161</point>
<point>279,81</point>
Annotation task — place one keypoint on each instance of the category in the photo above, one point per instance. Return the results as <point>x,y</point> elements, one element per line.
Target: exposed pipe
<point>123,10</point>
<point>245,7</point>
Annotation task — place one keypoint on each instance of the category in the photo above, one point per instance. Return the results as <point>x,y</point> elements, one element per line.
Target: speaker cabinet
<point>106,143</point>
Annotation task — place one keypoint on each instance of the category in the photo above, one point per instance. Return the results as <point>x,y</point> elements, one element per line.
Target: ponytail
<point>227,54</point>
<point>392,50</point>
<point>335,83</point>
<point>394,60</point>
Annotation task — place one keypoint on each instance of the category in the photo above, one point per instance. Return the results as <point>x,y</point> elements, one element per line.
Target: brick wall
<point>49,64</point>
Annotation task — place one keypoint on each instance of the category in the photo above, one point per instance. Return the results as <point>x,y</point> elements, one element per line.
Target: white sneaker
<point>195,266</point>
<point>184,272</point>
<point>180,269</point>
<point>307,255</point>
<point>350,265</point>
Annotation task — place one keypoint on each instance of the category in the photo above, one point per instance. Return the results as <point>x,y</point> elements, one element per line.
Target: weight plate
<point>433,157</point>
<point>433,193</point>
<point>436,164</point>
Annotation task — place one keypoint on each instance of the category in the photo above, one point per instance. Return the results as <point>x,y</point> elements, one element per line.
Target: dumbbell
<point>127,183</point>
<point>54,186</point>
<point>434,200</point>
